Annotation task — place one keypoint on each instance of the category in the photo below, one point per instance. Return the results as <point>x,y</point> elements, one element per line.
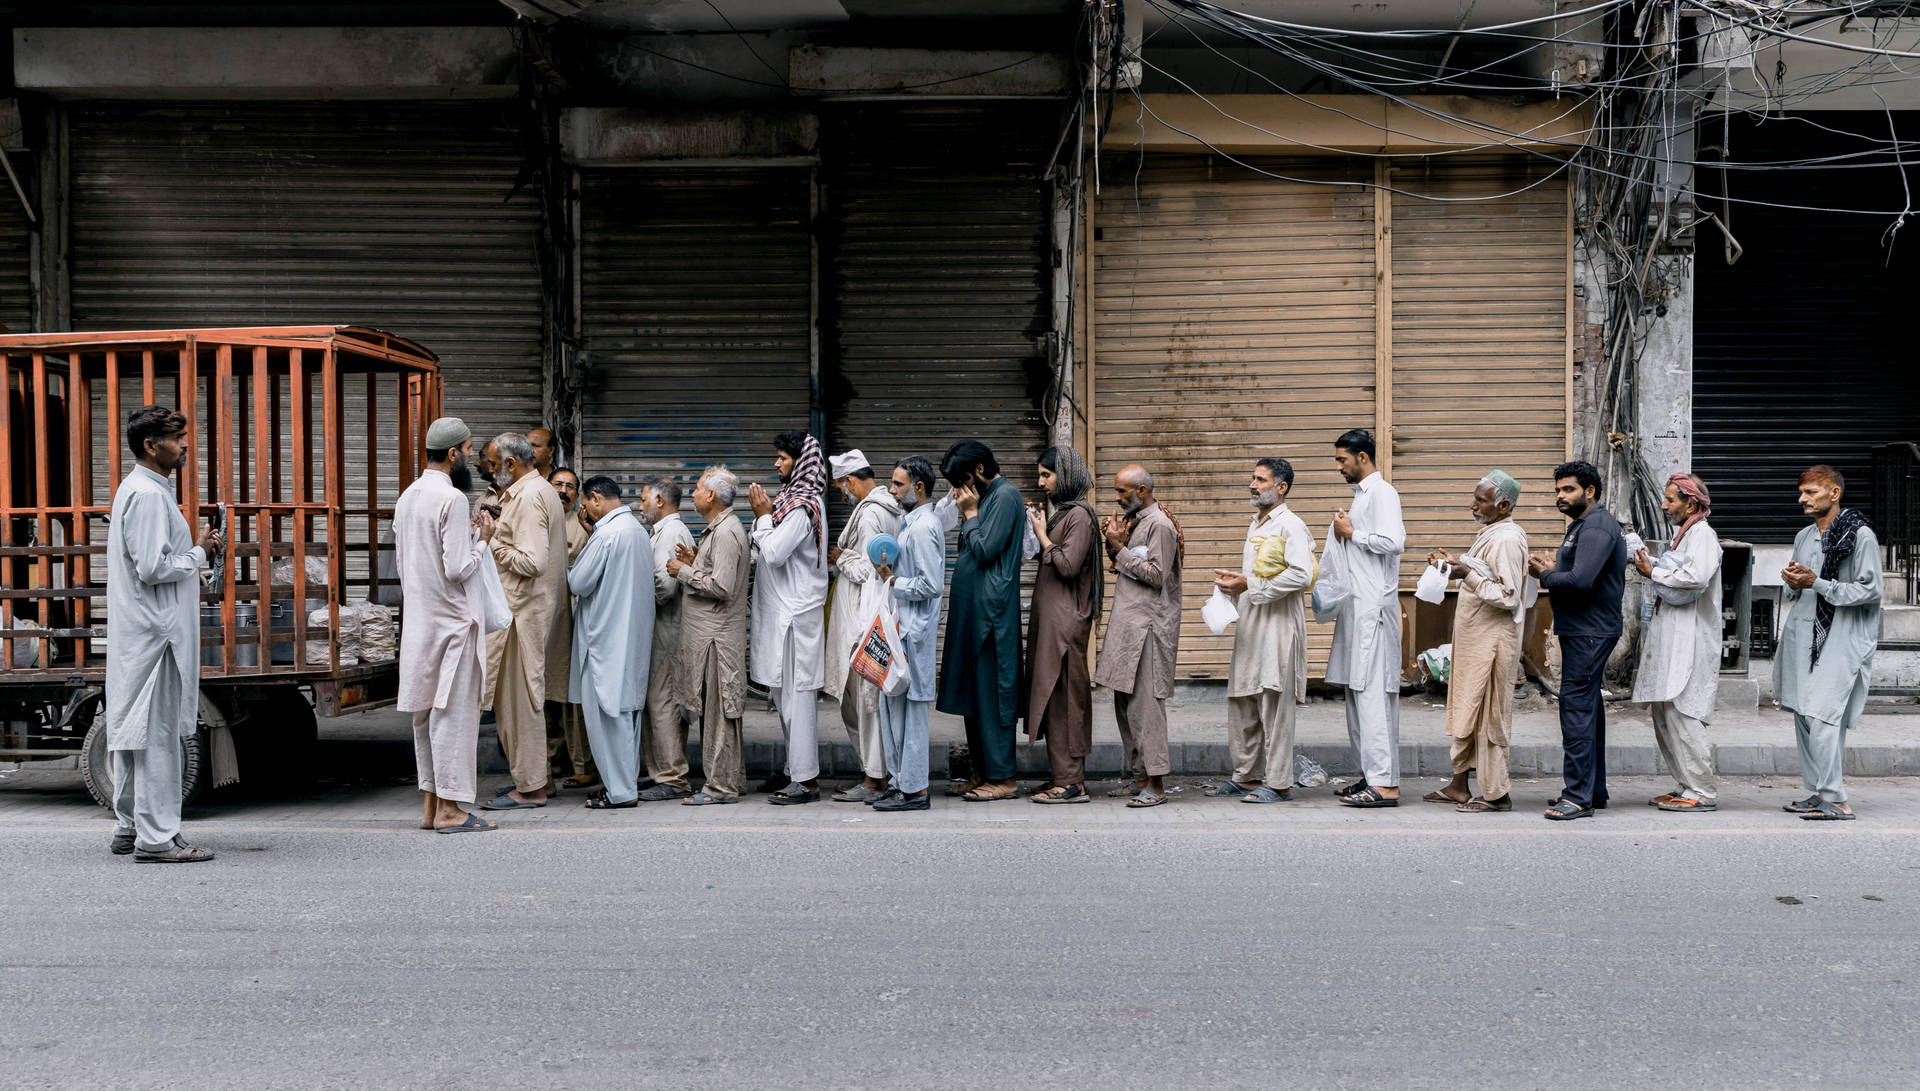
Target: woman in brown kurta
<point>1066,599</point>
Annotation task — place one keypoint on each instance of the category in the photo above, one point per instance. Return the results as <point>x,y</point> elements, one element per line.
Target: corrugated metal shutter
<point>696,302</point>
<point>402,217</point>
<point>1234,318</point>
<point>1479,290</point>
<point>1803,349</point>
<point>939,271</point>
<point>16,251</point>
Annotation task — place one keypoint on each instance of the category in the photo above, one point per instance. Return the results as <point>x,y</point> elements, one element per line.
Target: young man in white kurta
<point>153,643</point>
<point>442,641</point>
<point>612,633</point>
<point>1679,675</point>
<point>788,643</point>
<point>1268,674</point>
<point>857,597</point>
<point>1366,638</point>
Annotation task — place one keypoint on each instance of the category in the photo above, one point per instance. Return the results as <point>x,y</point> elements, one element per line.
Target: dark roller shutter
<point>1803,349</point>
<point>939,280</point>
<point>696,302</point>
<point>16,285</point>
<point>402,217</point>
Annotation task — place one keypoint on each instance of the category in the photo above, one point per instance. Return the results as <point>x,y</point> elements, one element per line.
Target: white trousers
<point>798,722</point>
<point>860,712</point>
<point>1373,727</point>
<point>1683,743</point>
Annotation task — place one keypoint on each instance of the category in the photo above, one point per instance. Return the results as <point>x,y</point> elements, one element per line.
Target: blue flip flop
<point>473,824</point>
<point>1264,794</point>
<point>505,802</point>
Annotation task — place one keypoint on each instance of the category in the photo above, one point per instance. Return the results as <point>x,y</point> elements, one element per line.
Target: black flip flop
<point>473,824</point>
<point>1827,812</point>
<point>505,802</point>
<point>599,802</point>
<point>1355,788</point>
<point>1804,806</point>
<point>1368,797</point>
<point>1566,810</point>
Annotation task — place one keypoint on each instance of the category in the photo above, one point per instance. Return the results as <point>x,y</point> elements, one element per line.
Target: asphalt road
<point>1205,942</point>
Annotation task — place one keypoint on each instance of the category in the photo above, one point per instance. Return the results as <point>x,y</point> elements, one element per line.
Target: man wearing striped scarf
<point>788,644</point>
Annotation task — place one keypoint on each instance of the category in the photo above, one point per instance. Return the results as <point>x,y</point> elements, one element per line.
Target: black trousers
<point>1583,717</point>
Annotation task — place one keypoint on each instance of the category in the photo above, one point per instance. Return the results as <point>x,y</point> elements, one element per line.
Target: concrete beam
<point>926,73</point>
<point>1344,124</point>
<point>223,63</point>
<point>628,136</point>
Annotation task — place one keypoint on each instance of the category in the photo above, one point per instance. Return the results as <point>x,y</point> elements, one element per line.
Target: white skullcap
<point>842,465</point>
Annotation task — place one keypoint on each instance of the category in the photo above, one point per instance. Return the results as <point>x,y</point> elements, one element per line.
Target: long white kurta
<point>1270,639</point>
<point>1366,638</point>
<point>612,615</point>
<point>1680,653</point>
<point>857,596</point>
<point>439,559</point>
<point>153,616</point>
<point>789,589</point>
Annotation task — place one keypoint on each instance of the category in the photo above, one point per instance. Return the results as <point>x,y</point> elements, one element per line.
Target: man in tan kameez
<point>665,733</point>
<point>1143,632</point>
<point>530,546</point>
<point>712,670</point>
<point>1486,648</point>
<point>566,728</point>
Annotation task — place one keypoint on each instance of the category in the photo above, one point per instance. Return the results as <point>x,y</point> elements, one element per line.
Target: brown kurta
<point>713,619</point>
<point>530,546</point>
<point>1143,630</point>
<point>1060,623</point>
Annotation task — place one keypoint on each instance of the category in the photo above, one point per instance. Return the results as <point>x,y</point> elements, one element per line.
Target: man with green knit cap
<point>1493,599</point>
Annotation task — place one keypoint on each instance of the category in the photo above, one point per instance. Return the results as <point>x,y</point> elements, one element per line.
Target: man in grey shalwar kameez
<point>153,642</point>
<point>1679,675</point>
<point>1824,664</point>
<point>612,638</point>
<point>917,580</point>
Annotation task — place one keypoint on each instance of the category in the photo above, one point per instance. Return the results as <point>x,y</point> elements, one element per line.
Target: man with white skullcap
<point>1486,647</point>
<point>442,646</point>
<point>857,597</point>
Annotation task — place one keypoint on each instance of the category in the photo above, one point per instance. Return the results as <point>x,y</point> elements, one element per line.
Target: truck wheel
<point>277,741</point>
<point>96,764</point>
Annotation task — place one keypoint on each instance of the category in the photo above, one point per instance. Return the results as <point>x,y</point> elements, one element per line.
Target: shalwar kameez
<point>612,632</point>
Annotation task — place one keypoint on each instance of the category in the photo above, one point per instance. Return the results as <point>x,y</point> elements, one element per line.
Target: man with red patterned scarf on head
<point>788,645</point>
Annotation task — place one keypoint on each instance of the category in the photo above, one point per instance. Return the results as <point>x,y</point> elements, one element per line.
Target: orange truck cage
<point>303,436</point>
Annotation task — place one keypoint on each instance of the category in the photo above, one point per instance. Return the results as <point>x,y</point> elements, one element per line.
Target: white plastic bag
<point>881,656</point>
<point>1433,583</point>
<point>1307,773</point>
<point>1219,612</point>
<point>1330,589</point>
<point>495,614</point>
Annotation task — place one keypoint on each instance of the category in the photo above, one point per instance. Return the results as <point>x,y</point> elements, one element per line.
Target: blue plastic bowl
<point>883,549</point>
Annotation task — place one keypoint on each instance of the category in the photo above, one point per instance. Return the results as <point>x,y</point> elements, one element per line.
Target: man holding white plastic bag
<point>443,567</point>
<point>857,597</point>
<point>1268,675</point>
<point>1363,553</point>
<point>917,582</point>
<point>1486,647</point>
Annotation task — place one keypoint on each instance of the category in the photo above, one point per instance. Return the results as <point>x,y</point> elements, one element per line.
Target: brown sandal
<point>1441,796</point>
<point>1477,805</point>
<point>961,788</point>
<point>987,793</point>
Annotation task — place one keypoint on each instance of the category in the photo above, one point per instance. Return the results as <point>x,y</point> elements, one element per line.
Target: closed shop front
<point>696,300</point>
<point>16,252</point>
<point>401,217</point>
<point>1238,315</point>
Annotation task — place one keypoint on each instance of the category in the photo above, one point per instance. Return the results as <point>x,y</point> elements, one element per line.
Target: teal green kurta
<point>983,612</point>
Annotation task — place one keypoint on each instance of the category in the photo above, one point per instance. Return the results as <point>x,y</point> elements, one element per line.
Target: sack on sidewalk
<point>881,657</point>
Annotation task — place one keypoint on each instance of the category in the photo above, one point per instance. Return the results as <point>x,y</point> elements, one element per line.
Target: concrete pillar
<point>1664,405</point>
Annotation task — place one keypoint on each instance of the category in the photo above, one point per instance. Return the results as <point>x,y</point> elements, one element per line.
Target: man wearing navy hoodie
<point>1585,581</point>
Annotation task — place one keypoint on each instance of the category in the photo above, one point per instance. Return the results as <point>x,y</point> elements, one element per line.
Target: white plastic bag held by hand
<point>1433,583</point>
<point>881,656</point>
<point>1219,612</point>
<point>495,614</point>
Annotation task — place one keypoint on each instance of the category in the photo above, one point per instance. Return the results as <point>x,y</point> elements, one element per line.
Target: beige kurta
<point>1486,635</point>
<point>713,618</point>
<point>857,596</point>
<point>528,543</point>
<point>1270,639</point>
<point>560,640</point>
<point>1143,630</point>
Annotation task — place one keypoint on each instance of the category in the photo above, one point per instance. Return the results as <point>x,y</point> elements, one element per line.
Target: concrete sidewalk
<point>1746,743</point>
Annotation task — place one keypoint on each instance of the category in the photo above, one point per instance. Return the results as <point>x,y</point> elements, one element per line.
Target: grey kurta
<point>1143,631</point>
<point>153,615</point>
<point>668,535</point>
<point>613,614</point>
<point>1835,690</point>
<point>1680,650</point>
<point>713,617</point>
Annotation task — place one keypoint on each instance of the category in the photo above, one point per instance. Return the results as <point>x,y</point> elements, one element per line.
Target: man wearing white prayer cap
<point>857,598</point>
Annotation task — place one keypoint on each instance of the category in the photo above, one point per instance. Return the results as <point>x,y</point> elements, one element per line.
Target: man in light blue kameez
<point>917,580</point>
<point>612,636</point>
<point>1825,660</point>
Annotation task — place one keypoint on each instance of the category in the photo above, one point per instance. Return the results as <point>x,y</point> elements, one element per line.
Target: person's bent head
<point>599,495</point>
<point>514,458</point>
<point>1494,497</point>
<point>158,437</point>
<point>659,499</point>
<point>715,491</point>
<point>1353,455</point>
<point>969,462</point>
<point>1132,488</point>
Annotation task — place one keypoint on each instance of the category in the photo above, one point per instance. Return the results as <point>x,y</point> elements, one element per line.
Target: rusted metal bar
<point>147,377</point>
<point>79,484</point>
<point>263,401</point>
<point>190,469</point>
<point>114,423</point>
<point>6,506</point>
<point>336,500</point>
<point>300,409</point>
<point>221,422</point>
<point>43,489</point>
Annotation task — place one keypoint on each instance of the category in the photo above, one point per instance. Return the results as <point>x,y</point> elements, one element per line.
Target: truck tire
<point>276,741</point>
<point>96,764</point>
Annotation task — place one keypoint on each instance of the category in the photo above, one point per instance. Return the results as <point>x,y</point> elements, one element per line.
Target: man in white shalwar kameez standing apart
<point>612,637</point>
<point>1679,675</point>
<point>153,642</point>
<point>442,642</point>
<point>788,644</point>
<point>857,597</point>
<point>664,728</point>
<point>1824,664</point>
<point>1268,674</point>
<point>1366,638</point>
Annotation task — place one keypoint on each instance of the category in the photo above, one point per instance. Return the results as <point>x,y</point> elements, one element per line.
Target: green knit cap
<point>1504,484</point>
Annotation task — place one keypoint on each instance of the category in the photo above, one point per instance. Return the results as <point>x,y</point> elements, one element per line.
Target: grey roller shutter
<point>16,285</point>
<point>401,217</point>
<point>697,307</point>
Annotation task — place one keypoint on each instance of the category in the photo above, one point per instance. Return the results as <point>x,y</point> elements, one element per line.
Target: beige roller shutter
<point>1233,318</point>
<point>1479,290</point>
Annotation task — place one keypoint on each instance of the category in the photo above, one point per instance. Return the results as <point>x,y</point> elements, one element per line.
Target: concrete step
<point>1897,666</point>
<point>1899,624</point>
<point>1893,589</point>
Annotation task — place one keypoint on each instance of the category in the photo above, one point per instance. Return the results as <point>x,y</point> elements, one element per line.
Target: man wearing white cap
<point>442,651</point>
<point>857,597</point>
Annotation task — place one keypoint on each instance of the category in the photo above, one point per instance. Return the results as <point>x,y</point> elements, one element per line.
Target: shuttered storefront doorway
<point>1233,318</point>
<point>16,252</point>
<point>401,217</point>
<point>696,290</point>
<point>938,240</point>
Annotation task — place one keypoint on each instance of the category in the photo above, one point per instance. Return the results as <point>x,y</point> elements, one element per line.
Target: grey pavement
<point>333,944</point>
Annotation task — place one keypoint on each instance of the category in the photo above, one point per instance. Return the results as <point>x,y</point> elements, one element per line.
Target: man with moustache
<point>530,548</point>
<point>1143,634</point>
<point>857,598</point>
<point>917,579</point>
<point>980,677</point>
